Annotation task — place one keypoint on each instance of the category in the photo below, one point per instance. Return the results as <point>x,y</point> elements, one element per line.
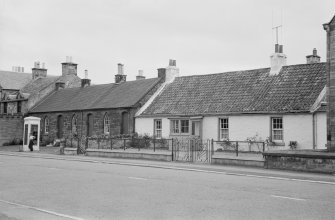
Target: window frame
<point>106,124</point>
<point>223,128</point>
<point>176,126</point>
<point>158,131</point>
<point>5,107</point>
<point>19,107</point>
<point>46,125</point>
<point>273,129</point>
<point>74,124</point>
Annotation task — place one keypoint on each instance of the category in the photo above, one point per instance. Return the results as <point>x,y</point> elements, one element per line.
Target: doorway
<point>89,125</point>
<point>60,124</point>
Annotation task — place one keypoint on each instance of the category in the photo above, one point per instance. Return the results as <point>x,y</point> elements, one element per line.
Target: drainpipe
<point>314,130</point>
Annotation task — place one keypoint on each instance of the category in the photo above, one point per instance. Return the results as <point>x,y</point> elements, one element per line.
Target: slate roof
<point>40,83</point>
<point>294,89</point>
<point>112,95</point>
<point>14,80</point>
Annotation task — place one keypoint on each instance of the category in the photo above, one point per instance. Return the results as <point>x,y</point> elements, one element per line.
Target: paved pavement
<point>46,186</point>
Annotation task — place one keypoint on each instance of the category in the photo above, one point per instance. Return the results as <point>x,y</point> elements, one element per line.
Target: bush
<point>14,141</point>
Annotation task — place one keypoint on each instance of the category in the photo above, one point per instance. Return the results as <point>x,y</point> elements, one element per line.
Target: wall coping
<point>126,152</point>
<point>301,154</point>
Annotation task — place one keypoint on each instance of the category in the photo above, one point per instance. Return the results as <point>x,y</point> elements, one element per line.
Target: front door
<point>60,124</point>
<point>196,129</point>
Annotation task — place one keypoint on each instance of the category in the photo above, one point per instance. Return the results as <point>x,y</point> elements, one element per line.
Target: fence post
<point>212,147</point>
<point>263,147</point>
<point>172,150</point>
<point>139,140</point>
<point>124,144</point>
<point>111,140</point>
<point>236,148</point>
<point>154,144</point>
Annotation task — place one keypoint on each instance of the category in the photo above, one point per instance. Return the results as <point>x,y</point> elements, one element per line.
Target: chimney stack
<point>277,59</point>
<point>59,85</point>
<point>69,67</point>
<point>120,77</point>
<point>38,71</point>
<point>140,75</point>
<point>85,82</point>
<point>169,73</point>
<point>313,58</point>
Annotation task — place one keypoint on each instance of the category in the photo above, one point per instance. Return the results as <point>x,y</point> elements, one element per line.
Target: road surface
<point>38,188</point>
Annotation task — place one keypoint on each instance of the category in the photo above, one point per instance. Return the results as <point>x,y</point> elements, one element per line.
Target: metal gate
<point>192,150</point>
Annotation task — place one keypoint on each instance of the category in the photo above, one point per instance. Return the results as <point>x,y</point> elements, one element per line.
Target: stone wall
<point>11,126</point>
<point>308,161</point>
<point>115,116</point>
<point>330,28</point>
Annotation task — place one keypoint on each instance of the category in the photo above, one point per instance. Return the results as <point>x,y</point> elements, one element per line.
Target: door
<point>60,124</point>
<point>89,125</point>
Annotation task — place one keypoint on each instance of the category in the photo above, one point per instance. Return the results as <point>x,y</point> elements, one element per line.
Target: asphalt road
<point>37,188</point>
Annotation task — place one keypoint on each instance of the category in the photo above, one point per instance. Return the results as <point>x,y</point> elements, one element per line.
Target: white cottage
<point>281,103</point>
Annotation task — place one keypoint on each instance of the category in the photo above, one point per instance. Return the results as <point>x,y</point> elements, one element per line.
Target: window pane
<point>158,128</point>
<point>277,129</point>
<point>175,126</point>
<point>184,126</point>
<point>224,128</point>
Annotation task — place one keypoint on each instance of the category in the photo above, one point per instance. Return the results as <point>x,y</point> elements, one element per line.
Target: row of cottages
<point>94,110</point>
<point>280,104</point>
<point>20,91</point>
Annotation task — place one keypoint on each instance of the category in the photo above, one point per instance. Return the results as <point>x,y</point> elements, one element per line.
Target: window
<point>158,128</point>
<point>277,129</point>
<point>19,107</point>
<point>46,125</point>
<point>74,123</point>
<point>224,128</point>
<point>106,124</point>
<point>184,126</point>
<point>5,106</point>
<point>180,126</point>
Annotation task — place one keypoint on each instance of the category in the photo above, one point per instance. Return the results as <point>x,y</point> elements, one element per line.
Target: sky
<point>203,36</point>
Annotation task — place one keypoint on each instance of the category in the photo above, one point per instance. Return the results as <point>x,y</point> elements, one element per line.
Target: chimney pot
<point>280,48</point>
<point>120,77</point>
<point>86,74</point>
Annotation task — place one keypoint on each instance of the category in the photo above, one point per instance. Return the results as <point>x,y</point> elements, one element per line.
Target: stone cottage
<point>20,91</point>
<point>92,110</point>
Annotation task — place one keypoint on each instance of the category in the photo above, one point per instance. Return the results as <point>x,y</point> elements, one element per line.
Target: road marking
<point>42,210</point>
<point>285,197</point>
<point>136,178</point>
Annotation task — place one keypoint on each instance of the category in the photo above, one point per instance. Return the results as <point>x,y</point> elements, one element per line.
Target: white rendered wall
<point>297,127</point>
<point>146,126</point>
<point>321,130</point>
<point>240,127</point>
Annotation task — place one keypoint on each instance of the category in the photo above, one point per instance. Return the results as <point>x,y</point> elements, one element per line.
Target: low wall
<point>127,155</point>
<point>70,151</point>
<point>237,162</point>
<point>308,161</point>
